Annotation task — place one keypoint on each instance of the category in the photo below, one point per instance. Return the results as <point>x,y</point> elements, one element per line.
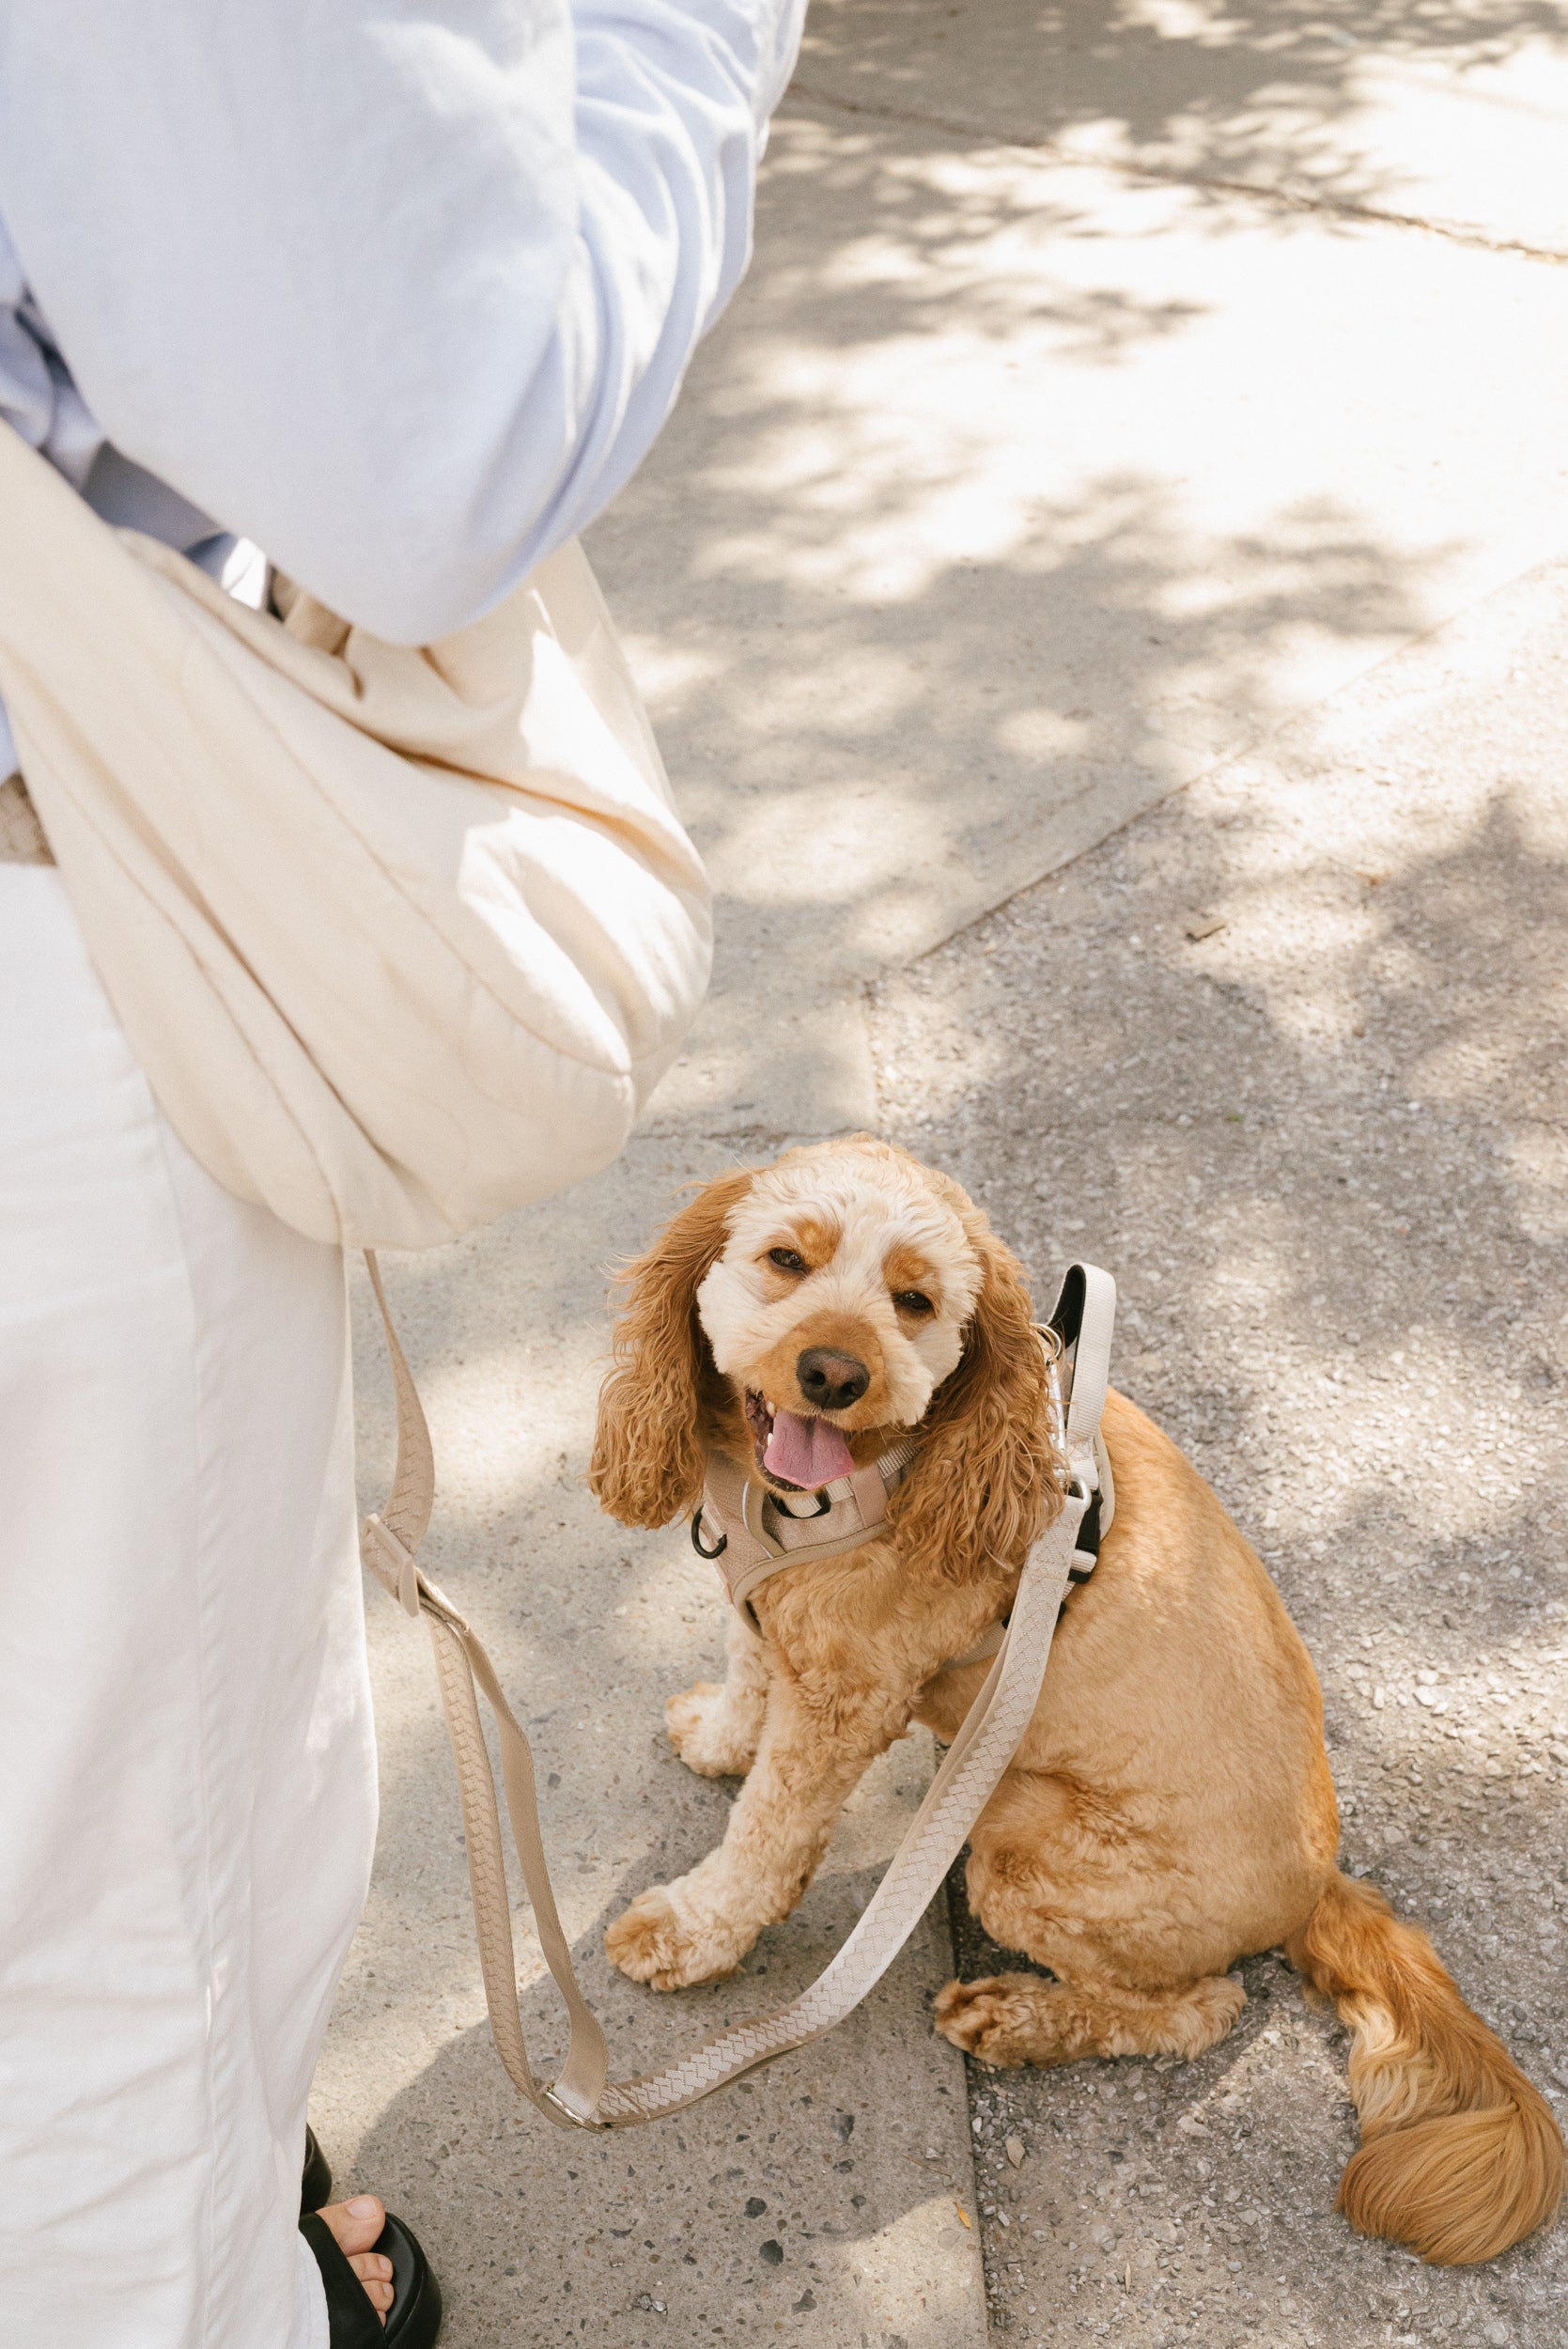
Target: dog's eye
<point>913,1302</point>
<point>788,1259</point>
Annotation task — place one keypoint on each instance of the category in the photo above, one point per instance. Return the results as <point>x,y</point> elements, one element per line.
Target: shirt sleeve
<point>404,293</point>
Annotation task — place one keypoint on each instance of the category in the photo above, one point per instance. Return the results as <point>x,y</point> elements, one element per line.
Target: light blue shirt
<point>39,399</point>
<point>403,293</point>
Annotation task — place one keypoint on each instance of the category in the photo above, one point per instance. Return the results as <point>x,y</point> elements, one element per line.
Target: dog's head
<point>801,1317</point>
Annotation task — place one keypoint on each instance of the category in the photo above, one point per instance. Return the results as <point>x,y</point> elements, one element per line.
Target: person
<point>394,295</point>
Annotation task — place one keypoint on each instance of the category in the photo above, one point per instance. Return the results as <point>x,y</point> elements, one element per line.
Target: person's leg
<point>186,1744</point>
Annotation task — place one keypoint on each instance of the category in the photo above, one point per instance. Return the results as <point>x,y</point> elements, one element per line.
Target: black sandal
<point>414,2320</point>
<point>316,2181</point>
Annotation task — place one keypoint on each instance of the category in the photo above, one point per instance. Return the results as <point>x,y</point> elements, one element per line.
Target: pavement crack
<point>1258,191</point>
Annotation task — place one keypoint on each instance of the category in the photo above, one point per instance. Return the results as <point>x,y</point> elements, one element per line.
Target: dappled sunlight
<point>913,717</point>
<point>1287,1057</point>
<point>1537,1162</point>
<point>898,2249</point>
<point>1010,497</point>
<point>1358,103</point>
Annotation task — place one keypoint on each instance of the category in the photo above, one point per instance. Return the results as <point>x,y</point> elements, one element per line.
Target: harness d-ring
<point>720,1546</point>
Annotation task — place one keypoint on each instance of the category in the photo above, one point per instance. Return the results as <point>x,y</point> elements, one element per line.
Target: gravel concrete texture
<point>1287,1055</point>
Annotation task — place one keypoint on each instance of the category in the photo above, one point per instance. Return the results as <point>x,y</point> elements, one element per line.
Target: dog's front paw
<point>988,2019</point>
<point>656,1940</point>
<point>703,1732</point>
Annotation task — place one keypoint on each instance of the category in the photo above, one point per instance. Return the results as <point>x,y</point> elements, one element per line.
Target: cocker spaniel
<point>1170,1807</point>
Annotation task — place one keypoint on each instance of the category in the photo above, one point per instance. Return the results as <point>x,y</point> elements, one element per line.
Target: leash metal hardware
<point>824,1508</point>
<point>578,2118</point>
<point>720,1546</point>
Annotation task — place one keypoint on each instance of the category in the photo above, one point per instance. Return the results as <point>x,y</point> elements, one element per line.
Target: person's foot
<point>356,2225</point>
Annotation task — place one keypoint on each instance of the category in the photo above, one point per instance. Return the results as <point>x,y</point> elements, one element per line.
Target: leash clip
<point>580,2116</point>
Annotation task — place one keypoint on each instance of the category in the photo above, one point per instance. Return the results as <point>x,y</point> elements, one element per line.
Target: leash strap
<point>583,2095</point>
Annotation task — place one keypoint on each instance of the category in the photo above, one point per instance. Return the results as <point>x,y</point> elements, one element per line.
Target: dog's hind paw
<point>654,1943</point>
<point>989,2019</point>
<point>705,1733</point>
<point>1021,2018</point>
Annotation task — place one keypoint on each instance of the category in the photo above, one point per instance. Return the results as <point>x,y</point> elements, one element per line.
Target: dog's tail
<point>1460,2156</point>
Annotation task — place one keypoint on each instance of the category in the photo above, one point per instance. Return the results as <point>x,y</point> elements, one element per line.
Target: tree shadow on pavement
<point>1268,93</point>
<point>904,621</point>
<point>1286,1056</point>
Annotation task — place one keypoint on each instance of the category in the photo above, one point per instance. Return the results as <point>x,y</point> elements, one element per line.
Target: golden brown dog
<point>1170,1807</point>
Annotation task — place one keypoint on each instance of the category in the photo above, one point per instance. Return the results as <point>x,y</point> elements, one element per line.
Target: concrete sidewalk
<point>1015,490</point>
<point>1065,445</point>
<point>1324,1146</point>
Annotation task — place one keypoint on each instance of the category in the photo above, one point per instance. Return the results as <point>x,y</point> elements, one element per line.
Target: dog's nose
<point>831,1381</point>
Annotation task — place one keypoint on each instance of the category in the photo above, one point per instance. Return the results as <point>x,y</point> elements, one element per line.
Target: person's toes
<point>375,2273</point>
<point>355,2223</point>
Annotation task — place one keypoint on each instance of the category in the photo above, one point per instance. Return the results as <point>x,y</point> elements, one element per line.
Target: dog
<point>1170,1807</point>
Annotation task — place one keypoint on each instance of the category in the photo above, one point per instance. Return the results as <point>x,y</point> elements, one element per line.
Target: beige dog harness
<point>747,1532</point>
<point>583,2095</point>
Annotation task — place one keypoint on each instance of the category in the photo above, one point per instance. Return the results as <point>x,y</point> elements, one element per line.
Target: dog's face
<point>797,1317</point>
<point>835,1310</point>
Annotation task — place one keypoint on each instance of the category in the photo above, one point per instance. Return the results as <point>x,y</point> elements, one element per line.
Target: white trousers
<point>187,1781</point>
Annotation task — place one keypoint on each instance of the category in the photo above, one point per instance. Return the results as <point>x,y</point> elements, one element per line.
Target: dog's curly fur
<point>662,1389</point>
<point>1170,1809</point>
<point>982,1483</point>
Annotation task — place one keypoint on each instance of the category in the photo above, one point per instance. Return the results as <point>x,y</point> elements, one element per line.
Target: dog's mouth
<point>799,1453</point>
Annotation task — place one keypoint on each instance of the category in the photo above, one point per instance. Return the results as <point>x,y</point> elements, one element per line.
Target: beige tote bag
<point>401,938</point>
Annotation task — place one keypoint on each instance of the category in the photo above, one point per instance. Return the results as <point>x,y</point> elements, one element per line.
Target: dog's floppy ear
<point>648,1463</point>
<point>981,1484</point>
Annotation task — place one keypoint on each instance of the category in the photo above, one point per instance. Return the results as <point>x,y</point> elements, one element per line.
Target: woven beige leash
<point>583,2095</point>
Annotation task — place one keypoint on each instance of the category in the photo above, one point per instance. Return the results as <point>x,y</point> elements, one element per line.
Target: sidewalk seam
<point>1257,191</point>
<point>1257,745</point>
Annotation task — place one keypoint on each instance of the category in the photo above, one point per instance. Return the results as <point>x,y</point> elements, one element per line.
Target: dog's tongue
<point>808,1452</point>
